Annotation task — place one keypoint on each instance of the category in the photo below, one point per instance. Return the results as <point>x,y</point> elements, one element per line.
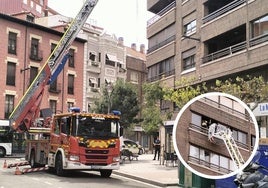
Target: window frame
<point>11,74</point>
<point>12,43</point>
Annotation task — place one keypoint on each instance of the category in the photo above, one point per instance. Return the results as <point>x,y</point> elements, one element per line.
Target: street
<point>44,179</point>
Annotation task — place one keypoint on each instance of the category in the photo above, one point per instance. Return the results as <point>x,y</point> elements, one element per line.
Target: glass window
<point>194,151</point>
<point>70,84</point>
<point>11,74</point>
<point>34,48</point>
<point>190,27</point>
<point>71,58</point>
<point>53,106</point>
<point>12,43</point>
<point>260,26</point>
<point>196,119</point>
<point>9,105</point>
<point>189,62</point>
<point>33,73</point>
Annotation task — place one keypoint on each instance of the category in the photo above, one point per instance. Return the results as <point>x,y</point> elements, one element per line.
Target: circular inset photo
<point>215,135</point>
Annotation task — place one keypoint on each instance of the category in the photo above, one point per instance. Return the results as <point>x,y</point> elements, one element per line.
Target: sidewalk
<point>150,171</point>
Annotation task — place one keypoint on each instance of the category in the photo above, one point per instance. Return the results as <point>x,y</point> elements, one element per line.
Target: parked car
<point>132,146</point>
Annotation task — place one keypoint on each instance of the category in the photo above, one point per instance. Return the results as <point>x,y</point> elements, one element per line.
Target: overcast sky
<point>124,18</point>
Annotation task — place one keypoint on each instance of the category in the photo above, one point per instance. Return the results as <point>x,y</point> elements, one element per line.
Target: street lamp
<point>109,90</point>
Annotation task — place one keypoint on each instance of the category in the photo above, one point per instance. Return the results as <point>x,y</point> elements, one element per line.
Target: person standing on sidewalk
<point>156,148</point>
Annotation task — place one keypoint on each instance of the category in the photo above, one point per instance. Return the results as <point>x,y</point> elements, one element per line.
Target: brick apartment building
<point>25,48</point>
<point>206,40</point>
<point>198,152</point>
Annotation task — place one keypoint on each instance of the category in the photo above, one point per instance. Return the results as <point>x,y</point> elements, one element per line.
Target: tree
<point>185,90</point>
<point>248,89</point>
<point>151,112</point>
<point>123,97</point>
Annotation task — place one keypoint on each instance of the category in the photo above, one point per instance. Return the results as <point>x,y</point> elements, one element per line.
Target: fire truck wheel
<point>2,152</point>
<point>59,166</point>
<point>106,173</point>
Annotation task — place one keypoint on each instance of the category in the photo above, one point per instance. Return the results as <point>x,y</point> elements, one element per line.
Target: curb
<point>145,180</point>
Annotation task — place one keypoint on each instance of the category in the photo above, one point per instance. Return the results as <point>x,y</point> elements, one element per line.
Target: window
<point>196,119</point>
<point>70,104</point>
<point>71,58</point>
<point>29,18</point>
<point>188,59</point>
<point>163,68</point>
<point>11,74</point>
<point>12,43</point>
<point>210,159</point>
<point>53,106</point>
<point>9,105</point>
<point>33,73</point>
<point>259,26</point>
<point>53,46</point>
<point>53,87</point>
<point>92,56</point>
<point>134,77</point>
<point>35,53</point>
<point>189,28</point>
<point>70,84</point>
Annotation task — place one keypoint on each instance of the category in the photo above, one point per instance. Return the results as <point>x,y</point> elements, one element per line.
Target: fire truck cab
<point>77,141</point>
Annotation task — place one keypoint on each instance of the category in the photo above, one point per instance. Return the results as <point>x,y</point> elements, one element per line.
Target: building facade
<point>206,40</point>
<point>27,48</point>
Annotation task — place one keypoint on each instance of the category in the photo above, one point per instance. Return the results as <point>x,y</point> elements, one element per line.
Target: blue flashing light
<point>74,109</point>
<point>116,112</point>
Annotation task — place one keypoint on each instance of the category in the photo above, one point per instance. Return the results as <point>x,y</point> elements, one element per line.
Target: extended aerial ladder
<point>225,134</point>
<point>28,108</point>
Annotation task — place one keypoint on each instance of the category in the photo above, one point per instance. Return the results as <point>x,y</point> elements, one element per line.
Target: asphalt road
<point>44,179</point>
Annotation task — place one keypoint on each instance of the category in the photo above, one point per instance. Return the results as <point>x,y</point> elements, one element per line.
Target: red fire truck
<point>68,141</point>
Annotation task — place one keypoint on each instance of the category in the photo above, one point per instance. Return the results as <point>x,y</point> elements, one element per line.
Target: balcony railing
<point>235,48</point>
<point>161,13</point>
<point>163,43</point>
<point>223,10</point>
<point>160,76</point>
<point>224,52</point>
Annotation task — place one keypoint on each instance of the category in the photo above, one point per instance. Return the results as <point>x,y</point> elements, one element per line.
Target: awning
<point>111,57</point>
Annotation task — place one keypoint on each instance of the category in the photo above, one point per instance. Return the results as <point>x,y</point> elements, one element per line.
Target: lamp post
<point>109,91</point>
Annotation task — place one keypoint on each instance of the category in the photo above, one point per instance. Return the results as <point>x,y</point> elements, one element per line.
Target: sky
<point>124,18</point>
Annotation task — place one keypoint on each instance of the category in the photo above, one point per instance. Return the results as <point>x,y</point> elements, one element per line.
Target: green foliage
<point>248,89</point>
<point>184,92</point>
<point>123,98</point>
<point>151,112</point>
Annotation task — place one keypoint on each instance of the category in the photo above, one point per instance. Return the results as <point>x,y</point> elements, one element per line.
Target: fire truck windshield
<point>97,127</point>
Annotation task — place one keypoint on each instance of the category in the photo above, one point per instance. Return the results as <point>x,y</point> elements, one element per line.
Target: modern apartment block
<point>206,40</point>
<point>211,157</point>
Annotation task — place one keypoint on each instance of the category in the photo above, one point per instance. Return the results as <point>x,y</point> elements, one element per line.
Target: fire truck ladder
<point>28,107</point>
<point>225,134</point>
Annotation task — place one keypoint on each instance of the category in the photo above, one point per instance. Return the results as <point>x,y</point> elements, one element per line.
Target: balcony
<point>161,13</point>
<point>161,76</point>
<point>232,5</point>
<point>161,44</point>
<point>234,49</point>
<point>93,66</point>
